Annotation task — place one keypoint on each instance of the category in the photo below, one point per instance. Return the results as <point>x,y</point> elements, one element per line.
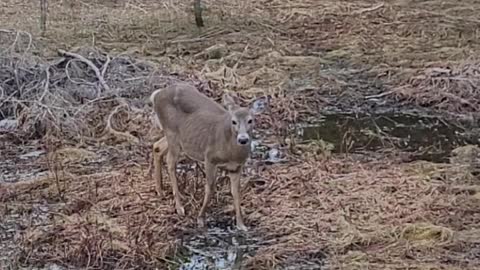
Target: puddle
<point>217,248</point>
<point>428,138</point>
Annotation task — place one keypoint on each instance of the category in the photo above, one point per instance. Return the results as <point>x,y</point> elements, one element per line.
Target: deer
<point>204,131</point>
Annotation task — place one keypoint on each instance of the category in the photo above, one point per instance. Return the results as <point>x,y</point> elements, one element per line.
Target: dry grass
<point>421,52</point>
<point>374,214</point>
<point>97,207</point>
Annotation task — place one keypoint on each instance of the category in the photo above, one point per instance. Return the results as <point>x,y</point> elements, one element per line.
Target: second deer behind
<point>205,131</point>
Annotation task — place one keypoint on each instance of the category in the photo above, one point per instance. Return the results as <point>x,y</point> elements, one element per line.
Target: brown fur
<point>201,129</point>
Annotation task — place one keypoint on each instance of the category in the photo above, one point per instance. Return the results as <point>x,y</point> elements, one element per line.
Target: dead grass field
<point>422,52</point>
<point>94,206</point>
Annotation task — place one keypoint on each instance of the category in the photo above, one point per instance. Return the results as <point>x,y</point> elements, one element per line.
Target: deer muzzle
<point>243,138</point>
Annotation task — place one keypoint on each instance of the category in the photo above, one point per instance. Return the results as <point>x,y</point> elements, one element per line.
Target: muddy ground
<point>366,150</point>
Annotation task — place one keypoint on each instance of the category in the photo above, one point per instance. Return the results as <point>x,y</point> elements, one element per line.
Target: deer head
<point>241,120</point>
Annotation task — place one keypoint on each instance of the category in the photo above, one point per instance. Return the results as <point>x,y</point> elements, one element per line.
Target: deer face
<point>242,125</point>
<point>242,120</point>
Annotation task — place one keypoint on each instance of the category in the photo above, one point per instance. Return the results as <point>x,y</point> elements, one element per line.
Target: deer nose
<point>243,139</point>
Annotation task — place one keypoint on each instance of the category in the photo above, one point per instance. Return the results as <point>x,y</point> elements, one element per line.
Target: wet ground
<point>223,247</point>
<point>428,138</point>
<point>220,247</point>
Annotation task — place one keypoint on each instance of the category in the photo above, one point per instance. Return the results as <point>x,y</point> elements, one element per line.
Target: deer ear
<point>228,101</point>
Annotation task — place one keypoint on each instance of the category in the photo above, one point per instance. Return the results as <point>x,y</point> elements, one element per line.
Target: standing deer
<point>206,132</point>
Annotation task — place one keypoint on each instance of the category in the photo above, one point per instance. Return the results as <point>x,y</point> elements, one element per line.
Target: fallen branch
<point>117,133</point>
<point>90,64</point>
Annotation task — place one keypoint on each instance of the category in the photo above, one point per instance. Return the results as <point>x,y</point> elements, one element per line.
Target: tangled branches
<point>79,94</point>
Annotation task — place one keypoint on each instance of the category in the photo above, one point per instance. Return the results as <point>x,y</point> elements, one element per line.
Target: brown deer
<point>204,131</point>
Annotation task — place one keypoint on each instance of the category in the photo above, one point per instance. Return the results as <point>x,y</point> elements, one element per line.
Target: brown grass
<point>387,217</point>
<point>421,52</point>
<point>97,207</point>
<point>376,215</point>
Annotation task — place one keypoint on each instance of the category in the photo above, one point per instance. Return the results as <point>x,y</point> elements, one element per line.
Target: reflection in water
<point>218,248</point>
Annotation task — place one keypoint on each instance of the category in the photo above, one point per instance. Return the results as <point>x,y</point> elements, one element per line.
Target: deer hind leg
<point>237,197</point>
<point>160,148</point>
<point>172,158</point>
<point>210,171</point>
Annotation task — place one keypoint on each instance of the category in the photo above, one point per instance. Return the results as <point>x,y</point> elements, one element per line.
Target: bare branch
<point>91,65</point>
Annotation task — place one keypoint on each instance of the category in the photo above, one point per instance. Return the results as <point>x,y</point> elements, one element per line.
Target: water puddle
<point>427,138</point>
<point>217,248</point>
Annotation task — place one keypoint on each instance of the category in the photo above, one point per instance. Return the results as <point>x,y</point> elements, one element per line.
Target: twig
<point>81,81</point>
<point>17,36</point>
<point>104,69</point>
<point>14,41</point>
<point>90,64</point>
<point>105,66</point>
<point>47,84</point>
<point>240,58</point>
<point>30,41</point>
<point>136,7</point>
<point>110,129</point>
<point>104,98</point>
<point>370,9</point>
<point>381,94</point>
<point>8,98</point>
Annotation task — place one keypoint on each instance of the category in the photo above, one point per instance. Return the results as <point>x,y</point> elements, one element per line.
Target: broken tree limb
<point>95,69</point>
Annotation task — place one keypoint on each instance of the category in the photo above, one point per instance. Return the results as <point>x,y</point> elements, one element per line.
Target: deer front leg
<point>237,197</point>
<point>159,150</point>
<point>210,171</point>
<point>172,157</point>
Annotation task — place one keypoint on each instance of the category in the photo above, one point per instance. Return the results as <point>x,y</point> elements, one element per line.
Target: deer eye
<point>234,122</point>
<point>249,121</point>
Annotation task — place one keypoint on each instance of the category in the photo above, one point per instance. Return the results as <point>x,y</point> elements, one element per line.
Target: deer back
<point>191,119</point>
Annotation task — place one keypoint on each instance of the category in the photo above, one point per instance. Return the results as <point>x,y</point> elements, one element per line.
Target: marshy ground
<point>366,151</point>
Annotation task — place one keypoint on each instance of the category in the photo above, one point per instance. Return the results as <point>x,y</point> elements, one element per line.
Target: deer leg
<point>236,194</point>
<point>172,157</point>
<point>210,172</point>
<point>160,148</point>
